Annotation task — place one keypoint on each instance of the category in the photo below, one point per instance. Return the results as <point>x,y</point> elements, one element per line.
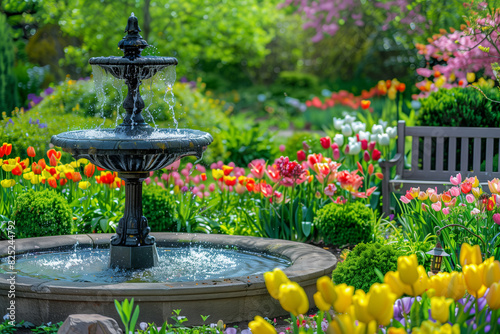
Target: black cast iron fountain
<point>133,148</point>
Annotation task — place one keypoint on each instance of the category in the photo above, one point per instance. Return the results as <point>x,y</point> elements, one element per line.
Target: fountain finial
<point>132,44</point>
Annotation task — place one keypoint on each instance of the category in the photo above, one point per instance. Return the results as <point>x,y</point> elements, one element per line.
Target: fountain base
<point>140,257</point>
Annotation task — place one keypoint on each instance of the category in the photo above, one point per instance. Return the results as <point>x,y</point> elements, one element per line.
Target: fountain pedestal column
<point>132,247</point>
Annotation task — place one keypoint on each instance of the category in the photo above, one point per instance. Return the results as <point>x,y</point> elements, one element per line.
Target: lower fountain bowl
<point>229,299</point>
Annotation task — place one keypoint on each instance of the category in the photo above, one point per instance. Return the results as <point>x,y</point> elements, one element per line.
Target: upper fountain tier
<point>134,146</point>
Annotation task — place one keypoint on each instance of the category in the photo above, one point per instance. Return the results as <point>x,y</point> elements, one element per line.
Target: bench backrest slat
<point>489,157</point>
<point>438,152</point>
<point>452,153</point>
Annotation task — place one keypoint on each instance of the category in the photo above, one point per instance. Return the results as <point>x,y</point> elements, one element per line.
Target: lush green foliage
<point>460,107</point>
<point>8,84</point>
<point>42,213</point>
<point>159,208</point>
<point>358,269</point>
<point>344,224</point>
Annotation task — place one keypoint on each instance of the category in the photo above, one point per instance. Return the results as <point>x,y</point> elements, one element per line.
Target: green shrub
<point>344,224</point>
<point>358,269</point>
<point>159,208</point>
<point>42,213</point>
<point>464,107</point>
<point>294,143</point>
<point>8,86</point>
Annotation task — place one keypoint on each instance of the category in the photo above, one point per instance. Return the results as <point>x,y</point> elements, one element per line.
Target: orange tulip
<point>62,182</point>
<point>31,151</point>
<point>53,160</point>
<point>52,182</point>
<point>77,177</point>
<point>89,170</point>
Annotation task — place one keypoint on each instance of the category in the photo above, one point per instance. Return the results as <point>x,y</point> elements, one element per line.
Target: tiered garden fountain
<point>134,149</point>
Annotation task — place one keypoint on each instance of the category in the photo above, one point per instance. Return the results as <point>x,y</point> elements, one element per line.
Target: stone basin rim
<point>300,255</point>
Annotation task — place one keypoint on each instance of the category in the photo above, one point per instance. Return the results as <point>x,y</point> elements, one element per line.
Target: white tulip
<point>354,148</point>
<point>364,135</point>
<point>377,129</point>
<point>338,139</point>
<point>373,137</point>
<point>346,130</point>
<point>384,139</point>
<point>381,122</point>
<point>358,126</point>
<point>337,123</point>
<point>392,132</point>
<point>349,119</point>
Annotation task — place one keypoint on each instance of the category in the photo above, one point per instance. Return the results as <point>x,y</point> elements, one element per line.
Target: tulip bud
<point>371,146</point>
<point>491,273</point>
<point>274,279</point>
<point>293,298</point>
<point>493,296</point>
<point>364,144</point>
<point>326,288</point>
<point>305,146</point>
<point>366,156</point>
<point>336,154</point>
<point>260,326</point>
<point>325,142</point>
<point>301,156</point>
<point>440,308</point>
<point>407,268</point>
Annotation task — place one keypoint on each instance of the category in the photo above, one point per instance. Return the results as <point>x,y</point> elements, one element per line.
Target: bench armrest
<point>387,164</point>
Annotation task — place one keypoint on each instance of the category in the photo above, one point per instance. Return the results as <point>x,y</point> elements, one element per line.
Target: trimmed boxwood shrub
<point>42,213</point>
<point>464,107</point>
<point>159,208</point>
<point>358,269</point>
<point>344,224</point>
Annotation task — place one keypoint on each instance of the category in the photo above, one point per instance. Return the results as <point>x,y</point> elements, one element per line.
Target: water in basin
<point>175,265</point>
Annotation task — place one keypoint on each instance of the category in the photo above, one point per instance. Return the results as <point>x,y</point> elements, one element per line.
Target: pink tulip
<point>436,206</point>
<point>156,179</point>
<point>470,198</point>
<point>404,199</point>
<point>282,148</point>
<point>496,218</point>
<point>196,179</point>
<point>211,187</point>
<point>213,166</point>
<point>240,189</point>
<point>174,166</point>
<point>475,211</point>
<point>231,164</point>
<point>330,189</point>
<point>199,194</point>
<point>455,191</point>
<point>147,181</point>
<point>456,180</point>
<point>424,207</point>
<point>336,154</point>
<point>179,183</point>
<point>366,156</point>
<point>165,176</point>
<point>161,185</point>
<point>446,211</point>
<point>206,194</point>
<point>151,173</point>
<point>200,168</point>
<point>195,190</point>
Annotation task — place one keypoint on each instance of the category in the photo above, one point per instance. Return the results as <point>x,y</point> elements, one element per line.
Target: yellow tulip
<point>381,303</point>
<point>491,273</point>
<point>28,176</point>
<point>470,255</point>
<point>456,287</point>
<point>273,280</point>
<point>260,326</point>
<point>477,191</point>
<point>84,185</point>
<point>360,301</point>
<point>471,77</point>
<point>440,308</point>
<point>217,173</point>
<point>420,285</point>
<point>429,327</point>
<point>320,303</point>
<point>8,183</point>
<point>439,283</point>
<point>394,330</point>
<point>392,279</point>
<point>370,328</point>
<point>493,296</point>
<point>326,288</point>
<point>391,93</point>
<point>342,324</point>
<point>293,298</point>
<point>82,161</point>
<point>35,179</point>
<point>8,167</point>
<point>46,174</point>
<point>474,280</point>
<point>439,82</point>
<point>344,297</point>
<point>407,268</point>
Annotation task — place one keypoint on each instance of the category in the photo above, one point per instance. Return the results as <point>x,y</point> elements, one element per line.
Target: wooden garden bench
<point>436,154</point>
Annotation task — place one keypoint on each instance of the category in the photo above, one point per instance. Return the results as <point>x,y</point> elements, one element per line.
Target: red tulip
<point>371,146</point>
<point>301,156</point>
<point>62,182</point>
<point>365,104</point>
<point>77,177</point>
<point>325,142</point>
<point>89,170</point>
<point>53,160</point>
<point>366,156</point>
<point>401,87</point>
<point>203,176</point>
<point>376,155</point>
<point>364,144</point>
<point>52,182</point>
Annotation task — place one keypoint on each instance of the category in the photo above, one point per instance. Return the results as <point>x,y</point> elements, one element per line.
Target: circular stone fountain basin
<point>116,151</point>
<point>232,299</point>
